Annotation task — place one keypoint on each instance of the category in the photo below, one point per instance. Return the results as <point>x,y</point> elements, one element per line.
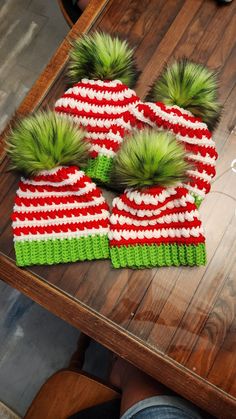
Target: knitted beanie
<point>100,101</point>
<point>186,103</point>
<point>158,227</point>
<point>59,214</point>
<point>154,225</point>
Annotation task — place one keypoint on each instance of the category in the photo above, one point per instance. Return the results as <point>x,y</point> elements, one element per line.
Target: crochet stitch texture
<point>193,134</point>
<point>59,216</point>
<point>156,227</point>
<point>103,108</point>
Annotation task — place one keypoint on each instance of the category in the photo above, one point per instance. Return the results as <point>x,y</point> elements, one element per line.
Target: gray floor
<point>30,32</point>
<point>33,343</point>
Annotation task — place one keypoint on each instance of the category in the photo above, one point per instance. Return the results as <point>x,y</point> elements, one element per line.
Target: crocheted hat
<point>186,104</point>
<point>102,68</point>
<point>59,214</point>
<point>154,225</point>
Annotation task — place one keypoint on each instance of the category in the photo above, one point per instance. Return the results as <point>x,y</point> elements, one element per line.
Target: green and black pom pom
<point>149,158</point>
<point>191,86</point>
<point>45,141</point>
<point>101,57</point>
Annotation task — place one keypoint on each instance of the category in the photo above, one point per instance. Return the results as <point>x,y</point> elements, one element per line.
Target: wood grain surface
<point>177,324</point>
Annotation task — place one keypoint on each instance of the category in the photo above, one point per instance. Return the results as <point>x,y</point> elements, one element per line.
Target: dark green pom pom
<point>101,57</point>
<point>191,86</point>
<point>45,141</point>
<point>149,158</point>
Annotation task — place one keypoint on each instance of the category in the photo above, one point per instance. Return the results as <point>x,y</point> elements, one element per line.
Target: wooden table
<point>177,324</point>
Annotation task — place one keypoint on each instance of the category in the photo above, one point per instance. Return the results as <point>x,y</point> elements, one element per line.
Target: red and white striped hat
<point>103,109</point>
<point>59,216</point>
<point>186,103</point>
<point>104,72</point>
<point>193,134</point>
<point>156,227</point>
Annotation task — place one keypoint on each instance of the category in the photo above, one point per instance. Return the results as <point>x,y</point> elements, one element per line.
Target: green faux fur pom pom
<point>45,141</point>
<point>191,86</point>
<point>101,57</point>
<point>149,158</point>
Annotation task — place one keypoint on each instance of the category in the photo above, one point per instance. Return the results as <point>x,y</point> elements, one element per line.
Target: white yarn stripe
<point>73,178</point>
<point>206,160</point>
<point>101,95</point>
<point>171,218</point>
<point>182,110</point>
<point>102,83</point>
<point>140,115</point>
<point>197,174</point>
<point>176,119</point>
<point>147,199</point>
<point>88,107</point>
<point>176,203</point>
<point>103,136</point>
<point>101,123</point>
<point>51,171</point>
<point>102,150</point>
<point>54,207</point>
<point>82,191</point>
<point>195,190</point>
<point>67,235</point>
<point>62,220</point>
<point>204,141</point>
<point>155,234</point>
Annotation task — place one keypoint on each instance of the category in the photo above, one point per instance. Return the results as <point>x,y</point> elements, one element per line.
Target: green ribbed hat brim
<point>50,252</point>
<point>100,168</point>
<point>149,256</point>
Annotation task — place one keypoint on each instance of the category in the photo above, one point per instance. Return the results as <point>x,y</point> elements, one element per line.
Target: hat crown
<point>101,83</point>
<point>56,177</point>
<point>104,109</point>
<point>193,133</point>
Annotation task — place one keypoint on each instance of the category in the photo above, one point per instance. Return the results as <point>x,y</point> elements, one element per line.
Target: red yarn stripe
<point>202,167</point>
<point>143,206</point>
<point>102,102</point>
<point>90,114</point>
<point>161,240</point>
<point>189,207</point>
<point>200,184</point>
<point>174,111</point>
<point>179,224</point>
<point>119,88</point>
<point>178,112</point>
<point>115,129</point>
<point>63,228</point>
<point>177,128</point>
<point>49,188</point>
<point>133,205</point>
<point>44,215</point>
<point>107,143</point>
<point>61,174</point>
<point>201,149</point>
<point>57,200</point>
<point>93,154</point>
<point>156,190</point>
